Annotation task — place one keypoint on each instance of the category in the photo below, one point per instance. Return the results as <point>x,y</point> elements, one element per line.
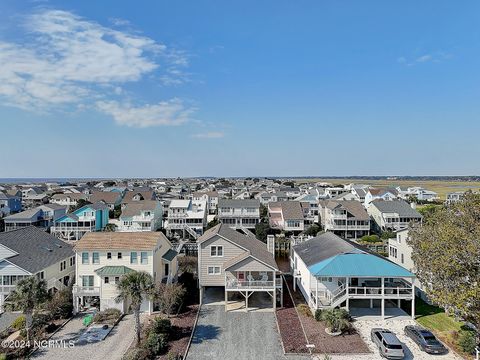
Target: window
<point>119,256</point>
<point>117,279</point>
<point>95,258</point>
<point>133,258</point>
<point>72,261</point>
<point>87,280</point>
<point>85,258</point>
<point>109,255</point>
<point>214,270</point>
<point>128,223</point>
<point>106,280</point>
<point>216,251</point>
<point>63,265</point>
<point>147,213</point>
<point>326,279</point>
<point>143,258</point>
<point>403,259</point>
<point>41,275</point>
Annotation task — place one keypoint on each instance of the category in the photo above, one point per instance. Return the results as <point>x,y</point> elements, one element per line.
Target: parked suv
<point>425,340</point>
<point>388,344</point>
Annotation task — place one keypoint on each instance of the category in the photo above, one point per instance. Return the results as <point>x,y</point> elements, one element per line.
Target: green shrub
<point>304,309</point>
<point>137,353</point>
<point>318,314</point>
<point>370,239</point>
<point>19,323</point>
<point>467,341</point>
<point>336,319</point>
<point>107,316</point>
<point>162,326</point>
<point>173,356</point>
<point>156,343</point>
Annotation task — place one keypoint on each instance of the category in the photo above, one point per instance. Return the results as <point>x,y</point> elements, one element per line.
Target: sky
<point>239,88</point>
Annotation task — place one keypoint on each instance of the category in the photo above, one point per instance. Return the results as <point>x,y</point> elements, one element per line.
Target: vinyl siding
<point>250,264</point>
<point>230,251</point>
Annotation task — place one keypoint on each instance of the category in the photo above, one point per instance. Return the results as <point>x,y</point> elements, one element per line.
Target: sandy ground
<point>395,325</point>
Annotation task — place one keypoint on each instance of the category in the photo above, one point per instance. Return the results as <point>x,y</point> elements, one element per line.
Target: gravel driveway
<point>113,347</point>
<point>395,325</point>
<point>236,335</point>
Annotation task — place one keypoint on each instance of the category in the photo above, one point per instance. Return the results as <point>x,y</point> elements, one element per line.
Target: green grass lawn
<point>434,318</point>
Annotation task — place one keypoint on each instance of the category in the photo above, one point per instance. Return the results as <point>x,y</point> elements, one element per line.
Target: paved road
<point>113,347</point>
<point>235,335</point>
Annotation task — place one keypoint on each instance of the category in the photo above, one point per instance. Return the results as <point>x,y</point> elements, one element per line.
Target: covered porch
<point>252,285</point>
<point>343,280</point>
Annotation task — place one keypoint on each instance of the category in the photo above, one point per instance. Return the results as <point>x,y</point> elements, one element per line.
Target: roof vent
<point>48,249</point>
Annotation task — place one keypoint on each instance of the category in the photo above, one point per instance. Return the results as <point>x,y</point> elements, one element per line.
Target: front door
<point>166,269</point>
<point>241,275</point>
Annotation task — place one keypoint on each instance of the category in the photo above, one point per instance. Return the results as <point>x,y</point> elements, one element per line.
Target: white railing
<point>7,289</point>
<point>255,284</point>
<point>372,291</point>
<point>86,290</point>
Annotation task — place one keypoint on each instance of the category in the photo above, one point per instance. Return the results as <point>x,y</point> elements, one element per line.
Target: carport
<point>372,309</point>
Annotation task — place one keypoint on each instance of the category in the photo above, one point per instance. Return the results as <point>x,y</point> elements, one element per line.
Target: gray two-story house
<point>235,269</point>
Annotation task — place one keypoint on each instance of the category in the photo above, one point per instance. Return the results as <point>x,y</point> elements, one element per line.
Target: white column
<point>246,301</point>
<point>274,291</point>
<point>346,292</point>
<point>371,303</point>
<point>413,301</point>
<point>399,303</point>
<point>383,298</point>
<point>316,293</point>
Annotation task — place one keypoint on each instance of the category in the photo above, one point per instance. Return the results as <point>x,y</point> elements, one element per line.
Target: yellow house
<point>102,258</point>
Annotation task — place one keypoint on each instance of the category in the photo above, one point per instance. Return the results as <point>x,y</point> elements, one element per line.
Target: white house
<point>380,194</point>
<point>144,215</point>
<point>345,218</point>
<point>400,253</point>
<point>186,217</point>
<point>102,258</point>
<point>333,272</point>
<point>393,215</point>
<point>239,213</point>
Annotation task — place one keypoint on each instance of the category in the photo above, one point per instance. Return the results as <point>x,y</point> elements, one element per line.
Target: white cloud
<point>209,135</point>
<point>166,113</point>
<point>64,60</point>
<point>424,58</point>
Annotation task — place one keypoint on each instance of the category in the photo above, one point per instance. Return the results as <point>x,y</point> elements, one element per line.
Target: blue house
<point>9,204</point>
<point>332,272</point>
<point>89,218</point>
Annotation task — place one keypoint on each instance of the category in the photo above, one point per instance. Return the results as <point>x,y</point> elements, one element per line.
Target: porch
<point>330,292</point>
<point>253,290</point>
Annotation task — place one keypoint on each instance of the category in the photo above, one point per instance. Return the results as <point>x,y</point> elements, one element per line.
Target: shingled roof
<point>251,244</point>
<point>36,249</point>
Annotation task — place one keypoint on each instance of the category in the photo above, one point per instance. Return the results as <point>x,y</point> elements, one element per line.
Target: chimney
<point>271,244</point>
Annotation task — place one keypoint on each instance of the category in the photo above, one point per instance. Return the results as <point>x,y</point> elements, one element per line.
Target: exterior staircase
<point>332,299</point>
<point>192,232</point>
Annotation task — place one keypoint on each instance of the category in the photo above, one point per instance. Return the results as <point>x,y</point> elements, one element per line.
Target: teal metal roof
<point>358,265</point>
<point>113,270</point>
<point>169,255</point>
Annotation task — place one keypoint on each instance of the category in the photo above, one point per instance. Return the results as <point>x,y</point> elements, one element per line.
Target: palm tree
<point>28,295</point>
<point>136,286</point>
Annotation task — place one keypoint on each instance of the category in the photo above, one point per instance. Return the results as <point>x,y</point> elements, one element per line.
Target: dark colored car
<point>425,340</point>
<point>388,344</point>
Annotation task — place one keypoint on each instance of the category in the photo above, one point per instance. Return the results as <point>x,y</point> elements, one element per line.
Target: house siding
<point>250,264</point>
<point>230,251</point>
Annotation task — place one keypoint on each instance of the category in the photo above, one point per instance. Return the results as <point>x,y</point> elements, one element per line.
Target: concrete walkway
<point>236,335</point>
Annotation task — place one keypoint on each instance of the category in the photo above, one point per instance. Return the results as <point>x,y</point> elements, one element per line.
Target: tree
<point>289,184</point>
<point>169,296</point>
<point>110,228</point>
<point>446,253</point>
<point>212,223</point>
<point>263,212</point>
<point>29,294</point>
<point>188,264</point>
<point>261,231</point>
<point>136,286</point>
<point>312,230</point>
<point>427,210</point>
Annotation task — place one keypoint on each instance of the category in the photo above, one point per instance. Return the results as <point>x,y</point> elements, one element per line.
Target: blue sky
<point>251,88</point>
